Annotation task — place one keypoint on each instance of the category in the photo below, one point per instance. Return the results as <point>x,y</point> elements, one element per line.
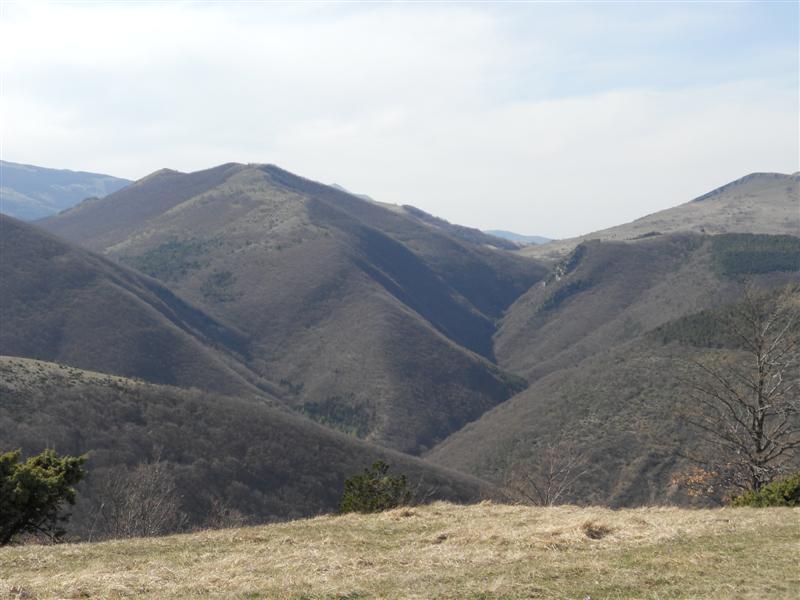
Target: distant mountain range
<point>28,192</point>
<point>364,328</point>
<point>516,237</point>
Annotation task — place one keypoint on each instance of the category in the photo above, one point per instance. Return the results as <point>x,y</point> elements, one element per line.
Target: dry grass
<point>438,551</point>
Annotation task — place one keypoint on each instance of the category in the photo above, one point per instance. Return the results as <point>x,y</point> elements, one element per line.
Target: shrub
<point>374,490</point>
<point>32,493</point>
<point>783,492</point>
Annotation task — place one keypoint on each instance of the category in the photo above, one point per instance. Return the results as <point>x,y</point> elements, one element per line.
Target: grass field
<point>442,550</point>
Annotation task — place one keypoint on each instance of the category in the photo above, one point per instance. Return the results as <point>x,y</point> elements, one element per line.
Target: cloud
<point>542,119</point>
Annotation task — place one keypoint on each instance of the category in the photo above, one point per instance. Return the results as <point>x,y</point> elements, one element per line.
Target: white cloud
<point>507,118</point>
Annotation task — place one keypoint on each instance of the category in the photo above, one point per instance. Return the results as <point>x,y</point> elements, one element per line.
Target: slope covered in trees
<point>606,345</point>
<point>61,303</point>
<point>226,457</point>
<point>375,320</point>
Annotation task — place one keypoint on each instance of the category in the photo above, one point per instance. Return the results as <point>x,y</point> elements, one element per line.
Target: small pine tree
<point>374,490</point>
<point>32,493</point>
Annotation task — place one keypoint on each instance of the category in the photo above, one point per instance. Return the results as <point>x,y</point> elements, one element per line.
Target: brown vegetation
<point>383,312</point>
<point>438,551</point>
<point>219,459</point>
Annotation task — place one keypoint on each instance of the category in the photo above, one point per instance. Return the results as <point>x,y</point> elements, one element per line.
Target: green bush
<point>374,490</point>
<point>32,493</point>
<point>783,492</point>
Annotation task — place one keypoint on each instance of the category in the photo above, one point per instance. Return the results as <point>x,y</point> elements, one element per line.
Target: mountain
<point>28,192</point>
<point>61,303</point>
<point>410,332</point>
<point>375,319</point>
<point>257,461</point>
<point>757,203</point>
<point>594,341</point>
<point>519,238</point>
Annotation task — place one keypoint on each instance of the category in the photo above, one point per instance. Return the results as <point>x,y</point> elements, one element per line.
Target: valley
<point>244,304</point>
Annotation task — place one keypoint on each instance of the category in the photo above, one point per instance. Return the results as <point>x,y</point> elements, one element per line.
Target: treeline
<point>737,254</point>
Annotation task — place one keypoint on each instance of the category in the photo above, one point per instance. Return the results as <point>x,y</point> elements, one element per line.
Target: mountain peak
<point>756,177</point>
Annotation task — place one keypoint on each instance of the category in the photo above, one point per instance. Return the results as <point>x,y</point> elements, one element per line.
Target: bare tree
<point>222,515</point>
<point>140,502</point>
<point>745,403</point>
<point>549,477</point>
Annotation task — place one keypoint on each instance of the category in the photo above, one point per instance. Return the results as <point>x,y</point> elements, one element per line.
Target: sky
<point>544,118</point>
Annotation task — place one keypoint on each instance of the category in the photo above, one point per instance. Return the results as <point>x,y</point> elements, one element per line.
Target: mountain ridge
<point>756,203</point>
<point>328,286</point>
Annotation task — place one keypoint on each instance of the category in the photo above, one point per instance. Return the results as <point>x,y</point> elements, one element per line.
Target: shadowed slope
<point>62,303</point>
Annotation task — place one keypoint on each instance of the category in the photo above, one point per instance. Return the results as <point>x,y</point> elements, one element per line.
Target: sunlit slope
<point>439,551</point>
<point>757,203</point>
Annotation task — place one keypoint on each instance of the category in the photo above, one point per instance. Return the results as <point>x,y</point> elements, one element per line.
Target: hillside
<point>602,377</point>
<point>29,192</point>
<point>608,292</point>
<point>438,551</point>
<point>62,303</point>
<point>376,320</point>
<point>259,462</point>
<point>757,203</point>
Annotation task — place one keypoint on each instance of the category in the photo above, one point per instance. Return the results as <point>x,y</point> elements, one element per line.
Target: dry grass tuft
<point>595,531</point>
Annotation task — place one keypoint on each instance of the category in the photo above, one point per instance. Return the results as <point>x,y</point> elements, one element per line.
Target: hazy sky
<point>544,118</point>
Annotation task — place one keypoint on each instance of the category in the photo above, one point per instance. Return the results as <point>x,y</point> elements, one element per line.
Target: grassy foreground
<point>438,551</point>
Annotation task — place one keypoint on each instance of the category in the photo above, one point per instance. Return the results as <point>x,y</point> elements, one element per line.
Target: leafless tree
<point>140,502</point>
<point>222,515</point>
<point>550,475</point>
<point>745,403</point>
